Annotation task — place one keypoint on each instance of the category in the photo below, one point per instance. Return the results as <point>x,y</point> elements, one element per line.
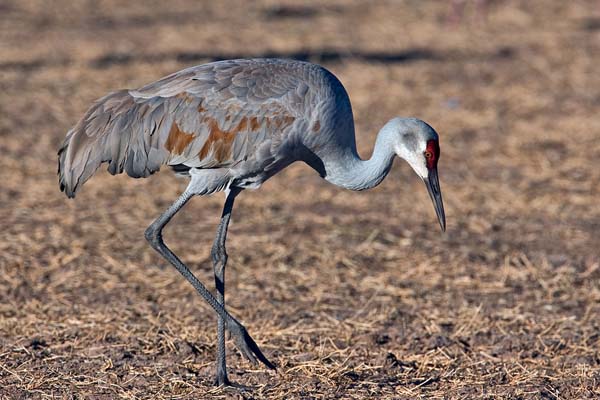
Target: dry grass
<point>353,295</point>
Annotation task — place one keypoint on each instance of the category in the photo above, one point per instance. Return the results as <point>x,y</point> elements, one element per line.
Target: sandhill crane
<point>229,126</point>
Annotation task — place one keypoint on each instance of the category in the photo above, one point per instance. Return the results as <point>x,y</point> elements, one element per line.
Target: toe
<point>222,380</point>
<point>247,346</point>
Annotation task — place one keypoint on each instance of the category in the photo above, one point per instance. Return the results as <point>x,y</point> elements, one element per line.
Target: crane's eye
<point>432,153</point>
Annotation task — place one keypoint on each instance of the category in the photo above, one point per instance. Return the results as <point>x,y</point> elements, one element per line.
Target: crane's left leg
<point>219,258</point>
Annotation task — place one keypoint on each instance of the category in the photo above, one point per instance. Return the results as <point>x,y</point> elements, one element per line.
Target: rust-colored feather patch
<point>185,97</point>
<point>288,120</point>
<point>254,124</point>
<point>279,121</point>
<point>317,126</point>
<point>241,126</point>
<point>178,140</point>
<point>218,140</point>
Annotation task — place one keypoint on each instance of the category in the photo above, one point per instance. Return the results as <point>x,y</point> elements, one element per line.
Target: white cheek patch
<point>417,161</point>
<point>418,165</point>
<point>415,157</point>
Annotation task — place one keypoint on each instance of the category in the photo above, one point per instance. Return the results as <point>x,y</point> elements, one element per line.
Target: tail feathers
<point>106,134</point>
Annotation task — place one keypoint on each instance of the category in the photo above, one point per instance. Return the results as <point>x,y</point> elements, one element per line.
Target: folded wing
<point>212,116</point>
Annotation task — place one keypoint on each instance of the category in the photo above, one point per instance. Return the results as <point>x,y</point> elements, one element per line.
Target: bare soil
<point>352,295</point>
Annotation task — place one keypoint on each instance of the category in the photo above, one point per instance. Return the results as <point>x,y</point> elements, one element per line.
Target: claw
<point>247,346</point>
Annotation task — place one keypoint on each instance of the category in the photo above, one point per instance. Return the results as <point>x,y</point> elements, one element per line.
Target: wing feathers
<point>212,116</point>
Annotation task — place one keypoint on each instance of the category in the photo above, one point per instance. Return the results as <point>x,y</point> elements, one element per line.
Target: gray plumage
<point>238,115</point>
<point>230,126</point>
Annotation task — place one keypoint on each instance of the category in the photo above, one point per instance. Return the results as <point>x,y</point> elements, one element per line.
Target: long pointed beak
<point>433,187</point>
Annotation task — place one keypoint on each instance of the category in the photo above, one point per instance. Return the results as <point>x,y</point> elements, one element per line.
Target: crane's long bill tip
<point>433,187</point>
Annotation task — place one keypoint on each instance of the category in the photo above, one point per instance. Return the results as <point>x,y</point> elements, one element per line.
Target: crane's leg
<point>242,339</point>
<point>219,258</point>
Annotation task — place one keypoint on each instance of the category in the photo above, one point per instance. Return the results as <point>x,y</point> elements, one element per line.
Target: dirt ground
<point>352,295</point>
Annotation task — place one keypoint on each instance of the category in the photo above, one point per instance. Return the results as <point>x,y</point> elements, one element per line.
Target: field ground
<point>352,295</point>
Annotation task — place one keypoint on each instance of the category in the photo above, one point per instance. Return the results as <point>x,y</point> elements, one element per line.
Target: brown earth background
<point>352,295</point>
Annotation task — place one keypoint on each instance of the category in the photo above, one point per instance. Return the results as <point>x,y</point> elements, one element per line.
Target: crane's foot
<point>246,345</point>
<point>221,379</point>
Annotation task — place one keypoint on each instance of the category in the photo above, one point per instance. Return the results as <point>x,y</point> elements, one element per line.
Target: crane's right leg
<point>242,339</point>
<point>219,256</point>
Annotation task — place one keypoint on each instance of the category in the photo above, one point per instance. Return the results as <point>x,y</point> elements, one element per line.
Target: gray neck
<point>346,169</point>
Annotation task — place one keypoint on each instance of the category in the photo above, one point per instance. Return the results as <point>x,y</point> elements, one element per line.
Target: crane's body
<point>230,126</point>
<point>219,117</point>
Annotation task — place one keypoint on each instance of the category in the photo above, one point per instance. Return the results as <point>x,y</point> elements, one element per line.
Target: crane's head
<point>418,143</point>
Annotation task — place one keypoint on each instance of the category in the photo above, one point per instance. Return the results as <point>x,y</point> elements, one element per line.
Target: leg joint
<point>219,255</point>
<point>153,236</point>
